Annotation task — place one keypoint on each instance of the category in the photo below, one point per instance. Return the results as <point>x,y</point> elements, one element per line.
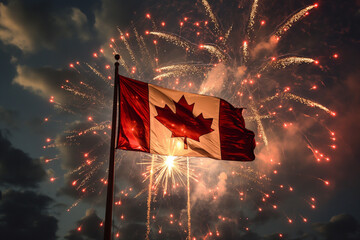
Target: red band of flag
<point>134,119</point>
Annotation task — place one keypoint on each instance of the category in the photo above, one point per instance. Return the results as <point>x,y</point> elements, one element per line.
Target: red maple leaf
<point>183,123</point>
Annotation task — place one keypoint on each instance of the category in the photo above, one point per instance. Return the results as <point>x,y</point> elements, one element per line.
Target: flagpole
<point>188,198</point>
<point>110,182</point>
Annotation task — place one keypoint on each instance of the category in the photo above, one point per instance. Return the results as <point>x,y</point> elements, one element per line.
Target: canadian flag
<point>174,123</point>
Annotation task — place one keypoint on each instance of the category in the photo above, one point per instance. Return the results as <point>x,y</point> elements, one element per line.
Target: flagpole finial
<point>117,57</point>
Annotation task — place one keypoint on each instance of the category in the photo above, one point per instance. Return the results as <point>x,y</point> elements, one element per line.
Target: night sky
<point>55,109</point>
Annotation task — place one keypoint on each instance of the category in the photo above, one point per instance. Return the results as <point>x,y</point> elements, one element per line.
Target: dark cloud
<point>66,88</point>
<point>250,236</point>
<point>17,168</point>
<point>345,166</point>
<point>135,231</point>
<point>112,14</point>
<point>14,121</point>
<point>36,125</point>
<point>45,81</point>
<point>88,228</point>
<point>32,25</point>
<point>342,226</point>
<point>9,117</point>
<point>265,216</point>
<point>79,19</point>
<point>23,215</point>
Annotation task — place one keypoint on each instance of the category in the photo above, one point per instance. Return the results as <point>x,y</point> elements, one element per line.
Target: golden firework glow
<point>169,172</point>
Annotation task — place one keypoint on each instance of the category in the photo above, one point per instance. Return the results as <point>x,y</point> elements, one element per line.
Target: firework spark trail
<point>184,67</point>
<point>154,26</point>
<point>47,160</point>
<point>98,73</point>
<point>175,39</point>
<point>147,52</point>
<point>252,118</point>
<point>123,63</point>
<point>78,169</point>
<point>121,59</point>
<point>178,70</point>
<point>95,95</point>
<point>314,152</point>
<point>86,172</point>
<point>132,55</point>
<point>75,92</point>
<point>89,87</point>
<point>98,127</point>
<point>250,28</point>
<point>90,173</point>
<point>213,50</point>
<point>177,67</point>
<point>260,126</point>
<point>227,34</point>
<point>149,198</point>
<point>63,108</point>
<point>211,15</point>
<point>188,46</point>
<point>138,40</point>
<point>74,204</point>
<point>245,51</point>
<point>114,46</point>
<point>142,46</point>
<point>166,75</point>
<point>293,19</point>
<point>188,198</point>
<point>299,99</point>
<point>73,66</point>
<point>81,92</point>
<point>286,62</point>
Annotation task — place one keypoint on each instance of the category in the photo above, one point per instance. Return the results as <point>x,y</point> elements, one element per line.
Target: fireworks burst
<point>210,57</point>
<point>168,171</point>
